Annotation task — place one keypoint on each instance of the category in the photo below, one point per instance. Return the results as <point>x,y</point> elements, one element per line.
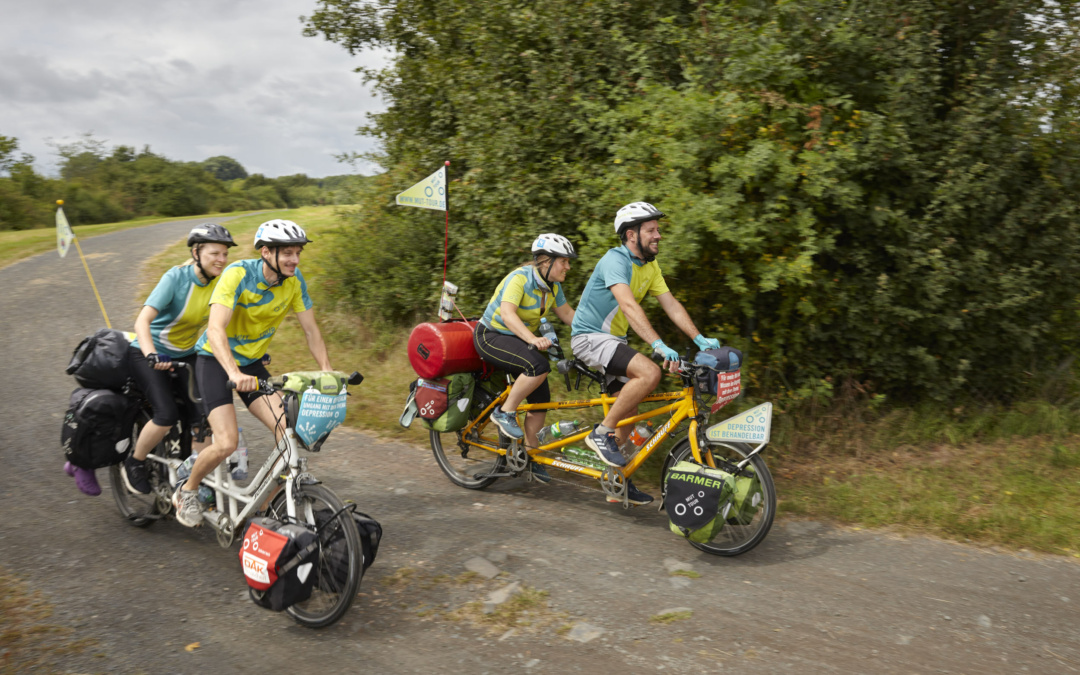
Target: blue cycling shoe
<point>507,423</point>
<point>606,447</point>
<point>539,472</point>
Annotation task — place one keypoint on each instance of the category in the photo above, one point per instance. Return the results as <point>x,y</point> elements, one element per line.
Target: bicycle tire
<point>736,538</point>
<point>468,475</point>
<point>332,595</point>
<point>138,509</point>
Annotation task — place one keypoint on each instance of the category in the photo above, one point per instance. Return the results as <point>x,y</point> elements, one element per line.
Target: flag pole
<point>63,229</point>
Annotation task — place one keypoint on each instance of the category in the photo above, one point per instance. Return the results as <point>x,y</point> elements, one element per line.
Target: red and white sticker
<point>728,387</point>
<point>259,556</point>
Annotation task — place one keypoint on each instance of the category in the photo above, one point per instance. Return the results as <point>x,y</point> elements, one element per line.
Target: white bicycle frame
<point>242,502</point>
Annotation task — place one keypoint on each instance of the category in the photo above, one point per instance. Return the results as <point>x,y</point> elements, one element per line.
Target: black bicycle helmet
<point>209,233</point>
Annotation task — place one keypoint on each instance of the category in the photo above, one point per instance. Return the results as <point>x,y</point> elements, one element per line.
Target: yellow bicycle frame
<point>683,406</point>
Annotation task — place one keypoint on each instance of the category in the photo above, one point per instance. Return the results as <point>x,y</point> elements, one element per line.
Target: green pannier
<point>698,499</point>
<point>746,499</point>
<point>459,397</point>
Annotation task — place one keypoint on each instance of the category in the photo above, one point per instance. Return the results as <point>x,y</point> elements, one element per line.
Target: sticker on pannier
<point>432,398</point>
<point>280,563</point>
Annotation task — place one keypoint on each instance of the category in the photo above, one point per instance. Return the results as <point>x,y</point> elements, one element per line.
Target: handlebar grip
<point>230,384</point>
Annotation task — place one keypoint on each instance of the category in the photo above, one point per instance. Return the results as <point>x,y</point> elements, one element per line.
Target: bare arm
<point>635,315</point>
<point>219,344</point>
<point>146,340</point>
<point>565,314</point>
<point>508,315</point>
<point>314,338</point>
<point>677,313</point>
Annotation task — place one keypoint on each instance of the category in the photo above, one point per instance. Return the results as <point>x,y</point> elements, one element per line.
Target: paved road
<point>811,598</point>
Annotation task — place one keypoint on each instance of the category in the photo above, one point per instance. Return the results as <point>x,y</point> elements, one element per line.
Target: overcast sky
<point>191,78</point>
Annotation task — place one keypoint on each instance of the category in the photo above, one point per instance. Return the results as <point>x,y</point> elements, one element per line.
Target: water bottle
<point>641,433</point>
<point>206,496</point>
<point>184,470</point>
<point>238,460</point>
<point>557,430</point>
<point>546,330</point>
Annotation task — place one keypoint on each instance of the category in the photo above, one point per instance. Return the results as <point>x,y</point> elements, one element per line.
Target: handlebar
<point>273,384</point>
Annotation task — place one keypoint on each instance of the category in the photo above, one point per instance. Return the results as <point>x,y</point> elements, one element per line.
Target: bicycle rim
<point>141,510</point>
<point>337,577</point>
<point>739,535</point>
<point>471,471</point>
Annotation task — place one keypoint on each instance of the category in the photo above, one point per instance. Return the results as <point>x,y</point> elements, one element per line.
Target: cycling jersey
<point>599,311</point>
<point>183,306</point>
<point>523,287</point>
<point>258,309</point>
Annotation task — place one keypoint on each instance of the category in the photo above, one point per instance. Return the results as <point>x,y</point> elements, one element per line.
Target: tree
<point>224,168</point>
<point>877,193</point>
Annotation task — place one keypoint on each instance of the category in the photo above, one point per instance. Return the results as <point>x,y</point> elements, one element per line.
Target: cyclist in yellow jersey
<point>507,330</point>
<point>251,300</point>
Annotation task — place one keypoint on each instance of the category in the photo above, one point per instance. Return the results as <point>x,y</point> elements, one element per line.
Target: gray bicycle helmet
<point>209,233</point>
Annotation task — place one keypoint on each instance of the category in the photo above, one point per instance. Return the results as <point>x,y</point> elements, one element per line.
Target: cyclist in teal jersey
<point>609,307</point>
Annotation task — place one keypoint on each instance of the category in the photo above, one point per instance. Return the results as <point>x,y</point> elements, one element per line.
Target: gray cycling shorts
<point>605,352</point>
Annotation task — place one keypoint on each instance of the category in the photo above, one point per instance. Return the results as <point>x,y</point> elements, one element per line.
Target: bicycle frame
<point>683,406</point>
<point>284,463</point>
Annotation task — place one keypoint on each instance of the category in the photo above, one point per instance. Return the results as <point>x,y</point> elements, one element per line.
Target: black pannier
<point>101,360</point>
<point>98,428</point>
<point>336,552</point>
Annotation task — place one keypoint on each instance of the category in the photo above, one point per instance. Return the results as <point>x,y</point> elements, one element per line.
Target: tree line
<point>875,194</point>
<point>100,185</point>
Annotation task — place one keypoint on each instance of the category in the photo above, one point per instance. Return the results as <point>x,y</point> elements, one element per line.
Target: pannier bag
<point>698,500</point>
<point>440,349</point>
<point>746,500</point>
<point>101,360</point>
<point>98,428</point>
<point>280,562</point>
<point>455,402</point>
<point>722,379</point>
<point>335,551</point>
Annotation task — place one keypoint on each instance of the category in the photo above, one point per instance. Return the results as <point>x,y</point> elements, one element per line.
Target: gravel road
<point>811,598</point>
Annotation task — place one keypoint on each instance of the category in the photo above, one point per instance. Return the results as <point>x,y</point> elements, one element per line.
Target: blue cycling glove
<point>704,344</point>
<point>668,353</point>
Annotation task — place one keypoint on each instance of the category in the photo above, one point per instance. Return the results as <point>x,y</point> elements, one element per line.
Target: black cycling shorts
<point>161,388</point>
<point>213,382</point>
<point>512,354</point>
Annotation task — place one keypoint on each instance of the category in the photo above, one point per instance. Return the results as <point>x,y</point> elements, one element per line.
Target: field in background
<point>1006,476</point>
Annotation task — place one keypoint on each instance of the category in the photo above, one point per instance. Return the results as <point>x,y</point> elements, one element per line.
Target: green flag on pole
<point>64,235</point>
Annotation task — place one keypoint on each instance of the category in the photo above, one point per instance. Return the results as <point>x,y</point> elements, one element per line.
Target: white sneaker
<point>188,508</point>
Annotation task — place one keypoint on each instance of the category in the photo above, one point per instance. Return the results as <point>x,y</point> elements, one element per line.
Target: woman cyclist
<point>509,326</point>
<point>170,323</point>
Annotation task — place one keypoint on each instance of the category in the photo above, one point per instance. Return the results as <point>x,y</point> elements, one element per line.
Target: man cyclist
<point>609,306</point>
<point>251,300</point>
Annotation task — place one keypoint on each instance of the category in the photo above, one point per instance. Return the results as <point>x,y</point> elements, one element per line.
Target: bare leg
<point>523,386</point>
<point>149,437</point>
<point>534,422</point>
<point>223,421</point>
<point>268,410</point>
<point>644,376</point>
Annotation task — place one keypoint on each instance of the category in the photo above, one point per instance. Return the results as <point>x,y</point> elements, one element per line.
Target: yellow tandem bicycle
<point>478,455</point>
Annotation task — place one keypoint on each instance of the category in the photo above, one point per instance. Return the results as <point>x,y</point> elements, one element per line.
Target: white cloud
<point>192,79</point>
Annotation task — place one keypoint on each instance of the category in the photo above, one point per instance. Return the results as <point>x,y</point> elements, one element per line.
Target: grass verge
<point>21,244</point>
<point>996,475</point>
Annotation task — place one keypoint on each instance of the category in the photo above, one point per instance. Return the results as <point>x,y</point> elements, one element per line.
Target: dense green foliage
<point>874,193</point>
<point>99,185</point>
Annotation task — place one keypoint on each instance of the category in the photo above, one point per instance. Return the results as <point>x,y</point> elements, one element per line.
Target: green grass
<point>25,243</point>
<point>997,475</point>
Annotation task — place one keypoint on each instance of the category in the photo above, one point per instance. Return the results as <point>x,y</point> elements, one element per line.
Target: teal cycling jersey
<point>183,306</point>
<point>599,311</point>
<point>523,287</point>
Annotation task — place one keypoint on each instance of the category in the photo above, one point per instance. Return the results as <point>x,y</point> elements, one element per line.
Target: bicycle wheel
<point>470,469</point>
<point>739,535</point>
<point>141,510</point>
<point>337,577</point>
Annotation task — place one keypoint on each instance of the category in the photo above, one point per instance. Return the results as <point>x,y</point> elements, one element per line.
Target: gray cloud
<point>190,78</point>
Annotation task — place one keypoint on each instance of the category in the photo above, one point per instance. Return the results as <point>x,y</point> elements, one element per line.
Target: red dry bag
<point>440,349</point>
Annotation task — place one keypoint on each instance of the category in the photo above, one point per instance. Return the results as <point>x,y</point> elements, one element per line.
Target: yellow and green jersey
<point>183,306</point>
<point>523,287</point>
<point>258,309</point>
<point>599,311</point>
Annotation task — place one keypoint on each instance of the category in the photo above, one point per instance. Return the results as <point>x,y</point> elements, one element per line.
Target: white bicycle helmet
<point>554,245</point>
<point>635,213</point>
<point>275,233</point>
